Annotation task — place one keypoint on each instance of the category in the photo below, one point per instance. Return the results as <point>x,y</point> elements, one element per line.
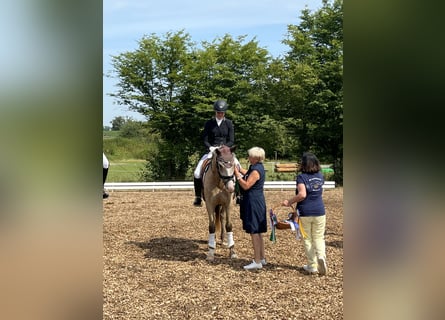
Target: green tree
<point>117,123</point>
<point>286,105</point>
<point>151,81</point>
<point>234,70</point>
<point>315,73</point>
<point>132,129</point>
<point>174,84</point>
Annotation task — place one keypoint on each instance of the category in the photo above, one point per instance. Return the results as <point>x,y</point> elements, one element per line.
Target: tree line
<point>286,105</point>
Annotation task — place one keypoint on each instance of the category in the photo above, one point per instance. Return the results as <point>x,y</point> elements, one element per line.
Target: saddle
<point>205,166</point>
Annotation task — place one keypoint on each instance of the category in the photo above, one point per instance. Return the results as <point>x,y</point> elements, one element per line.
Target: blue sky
<point>125,22</point>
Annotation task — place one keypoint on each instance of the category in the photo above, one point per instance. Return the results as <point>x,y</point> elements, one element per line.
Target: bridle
<point>226,164</point>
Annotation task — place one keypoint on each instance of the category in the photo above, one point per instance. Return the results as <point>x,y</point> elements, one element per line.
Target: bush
<point>125,148</point>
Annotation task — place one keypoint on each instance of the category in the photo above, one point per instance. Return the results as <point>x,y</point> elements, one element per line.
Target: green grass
<point>129,171</point>
<point>125,170</point>
<point>110,134</point>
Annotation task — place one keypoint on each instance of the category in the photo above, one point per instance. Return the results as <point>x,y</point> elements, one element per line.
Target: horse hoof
<point>234,256</point>
<point>210,258</point>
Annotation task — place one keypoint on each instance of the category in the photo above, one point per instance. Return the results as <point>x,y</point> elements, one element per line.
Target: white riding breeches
<point>106,163</point>
<point>197,173</point>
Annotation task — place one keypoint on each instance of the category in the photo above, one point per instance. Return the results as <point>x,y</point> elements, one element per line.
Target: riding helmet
<point>220,106</point>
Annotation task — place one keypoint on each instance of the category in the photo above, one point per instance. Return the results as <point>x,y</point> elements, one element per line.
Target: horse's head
<point>225,160</point>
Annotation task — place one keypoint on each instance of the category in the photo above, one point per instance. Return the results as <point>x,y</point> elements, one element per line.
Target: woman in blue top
<point>308,197</point>
<point>253,212</point>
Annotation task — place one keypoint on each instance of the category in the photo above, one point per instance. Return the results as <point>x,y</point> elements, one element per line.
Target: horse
<point>218,187</point>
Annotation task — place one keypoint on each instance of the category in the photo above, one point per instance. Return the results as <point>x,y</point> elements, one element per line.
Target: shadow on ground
<point>172,249</point>
<point>181,249</point>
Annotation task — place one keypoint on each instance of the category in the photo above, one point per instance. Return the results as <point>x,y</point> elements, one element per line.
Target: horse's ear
<point>232,148</point>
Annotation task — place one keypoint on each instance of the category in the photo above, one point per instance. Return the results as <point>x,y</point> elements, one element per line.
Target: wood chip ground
<point>155,267</point>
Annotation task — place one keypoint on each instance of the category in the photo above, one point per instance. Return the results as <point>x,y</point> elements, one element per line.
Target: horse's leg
<point>212,242</point>
<point>220,214</point>
<point>230,241</point>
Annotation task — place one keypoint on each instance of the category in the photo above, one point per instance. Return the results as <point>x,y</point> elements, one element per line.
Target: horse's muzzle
<point>230,186</point>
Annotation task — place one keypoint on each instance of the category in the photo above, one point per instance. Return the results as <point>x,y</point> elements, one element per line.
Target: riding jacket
<point>215,135</point>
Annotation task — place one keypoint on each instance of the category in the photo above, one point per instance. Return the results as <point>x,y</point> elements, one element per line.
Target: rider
<point>217,131</point>
<point>106,165</point>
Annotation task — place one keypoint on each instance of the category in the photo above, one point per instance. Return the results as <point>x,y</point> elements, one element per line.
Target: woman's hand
<point>237,173</point>
<point>285,203</point>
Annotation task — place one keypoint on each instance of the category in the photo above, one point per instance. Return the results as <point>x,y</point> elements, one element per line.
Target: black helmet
<point>220,106</point>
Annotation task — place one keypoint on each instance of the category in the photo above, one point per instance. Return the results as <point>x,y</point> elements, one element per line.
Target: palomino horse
<point>219,185</point>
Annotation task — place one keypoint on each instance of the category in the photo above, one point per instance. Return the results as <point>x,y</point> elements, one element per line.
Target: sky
<point>125,22</point>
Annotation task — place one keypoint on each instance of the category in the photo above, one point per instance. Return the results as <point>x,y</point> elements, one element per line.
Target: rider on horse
<point>218,131</point>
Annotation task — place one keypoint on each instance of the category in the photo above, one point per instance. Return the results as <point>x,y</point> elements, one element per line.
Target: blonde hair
<point>257,153</point>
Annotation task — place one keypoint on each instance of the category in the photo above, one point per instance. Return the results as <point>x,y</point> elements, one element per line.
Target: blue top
<point>313,204</point>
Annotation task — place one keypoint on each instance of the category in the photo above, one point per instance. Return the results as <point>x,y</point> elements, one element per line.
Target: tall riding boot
<point>104,192</point>
<point>198,191</point>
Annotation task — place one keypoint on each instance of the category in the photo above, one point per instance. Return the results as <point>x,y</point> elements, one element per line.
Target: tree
<point>151,80</point>
<point>132,129</point>
<point>288,104</point>
<point>234,70</point>
<point>315,71</point>
<point>174,85</point>
<point>117,123</point>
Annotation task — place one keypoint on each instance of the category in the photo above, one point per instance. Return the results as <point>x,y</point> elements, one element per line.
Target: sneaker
<point>197,202</point>
<point>253,266</point>
<point>322,267</point>
<point>309,269</point>
<point>104,194</point>
<point>263,262</point>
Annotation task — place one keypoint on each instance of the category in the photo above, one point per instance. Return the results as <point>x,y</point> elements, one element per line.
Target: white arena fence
<point>188,185</point>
